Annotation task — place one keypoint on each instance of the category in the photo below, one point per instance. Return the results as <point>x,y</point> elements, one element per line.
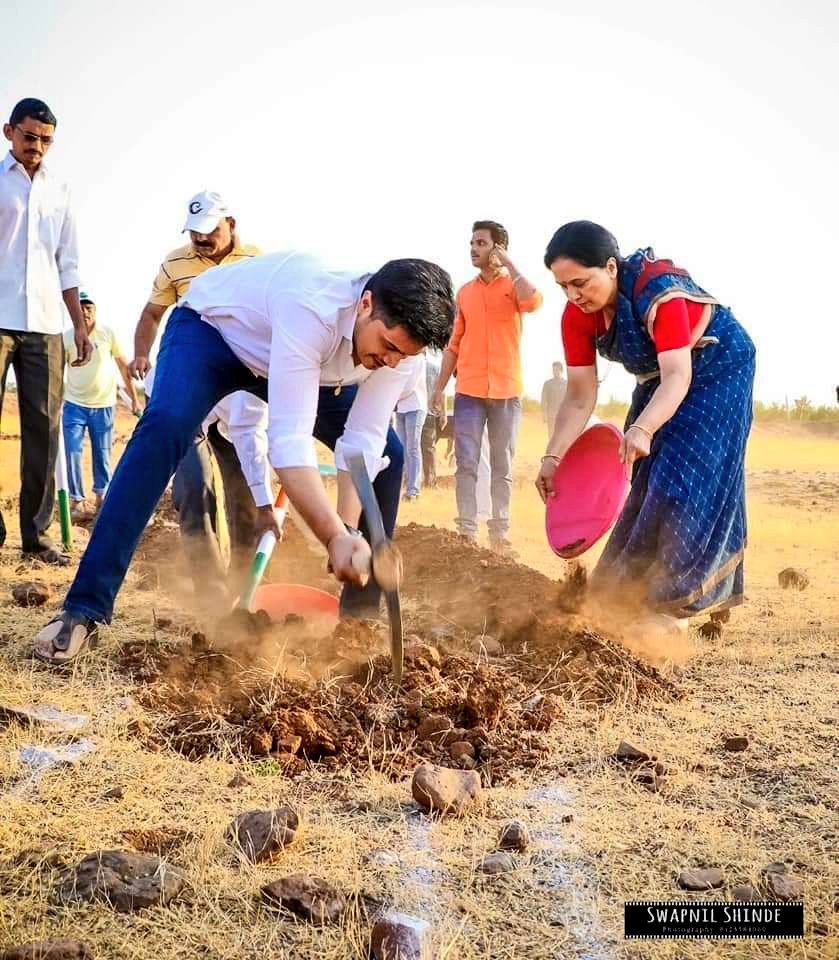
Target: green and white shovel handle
<point>264,549</point>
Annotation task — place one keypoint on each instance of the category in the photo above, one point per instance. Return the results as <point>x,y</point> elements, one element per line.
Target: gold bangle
<point>638,426</point>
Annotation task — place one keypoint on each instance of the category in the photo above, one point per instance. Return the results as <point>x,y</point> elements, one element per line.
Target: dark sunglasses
<point>36,137</point>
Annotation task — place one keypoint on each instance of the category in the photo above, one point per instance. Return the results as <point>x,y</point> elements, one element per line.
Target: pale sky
<point>374,130</point>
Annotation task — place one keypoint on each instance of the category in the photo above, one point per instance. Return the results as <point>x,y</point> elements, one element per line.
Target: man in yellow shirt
<point>213,241</point>
<point>90,395</point>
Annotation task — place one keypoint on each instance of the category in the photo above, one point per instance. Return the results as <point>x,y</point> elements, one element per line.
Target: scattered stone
<point>308,897</point>
<point>30,594</point>
<point>400,937</point>
<point>115,793</point>
<point>443,790</point>
<point>736,744</point>
<point>238,780</point>
<point>701,878</point>
<point>784,887</point>
<point>710,630</point>
<point>48,950</point>
<point>434,727</point>
<point>381,857</point>
<point>792,579</point>
<point>261,834</point>
<point>514,835</point>
<point>485,644</point>
<point>777,866</point>
<point>127,881</point>
<point>744,891</point>
<point>542,711</point>
<point>261,743</point>
<point>648,779</point>
<point>499,861</point>
<point>627,754</point>
<point>461,750</point>
<point>42,714</point>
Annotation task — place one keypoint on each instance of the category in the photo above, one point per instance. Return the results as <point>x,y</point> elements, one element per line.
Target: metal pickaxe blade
<point>387,563</point>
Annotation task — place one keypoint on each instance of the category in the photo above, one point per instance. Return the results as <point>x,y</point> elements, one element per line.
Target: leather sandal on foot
<point>67,634</point>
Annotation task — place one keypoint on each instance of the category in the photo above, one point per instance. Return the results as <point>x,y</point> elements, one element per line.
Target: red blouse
<point>675,321</point>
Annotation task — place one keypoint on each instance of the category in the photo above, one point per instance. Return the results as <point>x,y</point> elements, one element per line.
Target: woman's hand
<point>545,479</point>
<point>635,445</point>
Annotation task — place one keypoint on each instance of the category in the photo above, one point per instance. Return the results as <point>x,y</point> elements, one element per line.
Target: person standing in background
<point>411,413</point>
<point>486,349</point>
<point>434,423</point>
<point>90,396</point>
<point>213,242</point>
<point>39,276</point>
<point>553,392</point>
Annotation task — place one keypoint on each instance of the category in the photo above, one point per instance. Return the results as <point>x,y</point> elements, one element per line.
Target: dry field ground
<point>599,837</point>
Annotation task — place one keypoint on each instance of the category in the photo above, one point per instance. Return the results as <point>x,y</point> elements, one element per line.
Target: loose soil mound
<point>285,692</point>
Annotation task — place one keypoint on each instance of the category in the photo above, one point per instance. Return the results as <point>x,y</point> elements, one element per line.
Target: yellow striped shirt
<point>183,265</point>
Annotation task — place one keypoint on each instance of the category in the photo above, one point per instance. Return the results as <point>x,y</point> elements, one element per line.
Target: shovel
<point>264,549</point>
<point>387,562</point>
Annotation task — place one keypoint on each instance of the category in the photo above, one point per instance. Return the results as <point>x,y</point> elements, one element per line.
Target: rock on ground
<point>30,594</point>
<point>128,881</point>
<point>701,878</point>
<point>261,834</point>
<point>499,861</point>
<point>784,887</point>
<point>736,744</point>
<point>514,835</point>
<point>400,937</point>
<point>443,790</point>
<point>308,897</point>
<point>48,950</point>
<point>792,579</point>
<point>744,891</point>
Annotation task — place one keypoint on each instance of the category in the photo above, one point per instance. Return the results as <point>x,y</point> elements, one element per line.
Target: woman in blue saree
<point>677,547</point>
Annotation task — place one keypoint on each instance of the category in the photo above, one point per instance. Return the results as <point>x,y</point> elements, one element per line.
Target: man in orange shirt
<point>486,350</point>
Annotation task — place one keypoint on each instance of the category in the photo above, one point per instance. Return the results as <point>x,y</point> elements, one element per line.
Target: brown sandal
<point>69,634</point>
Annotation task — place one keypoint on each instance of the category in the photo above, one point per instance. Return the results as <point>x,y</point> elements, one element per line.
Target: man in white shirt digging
<point>330,351</point>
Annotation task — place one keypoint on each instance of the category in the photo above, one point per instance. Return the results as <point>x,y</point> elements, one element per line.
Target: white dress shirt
<point>415,397</point>
<point>242,419</point>
<point>290,318</point>
<point>39,254</point>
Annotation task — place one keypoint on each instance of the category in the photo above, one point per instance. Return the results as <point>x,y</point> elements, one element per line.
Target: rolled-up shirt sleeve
<point>299,344</point>
<point>369,418</point>
<point>529,304</point>
<point>67,252</point>
<point>247,428</point>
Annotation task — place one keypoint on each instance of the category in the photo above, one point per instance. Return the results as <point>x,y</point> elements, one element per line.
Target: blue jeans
<point>196,369</point>
<point>501,419</point>
<point>99,422</point>
<point>409,427</point>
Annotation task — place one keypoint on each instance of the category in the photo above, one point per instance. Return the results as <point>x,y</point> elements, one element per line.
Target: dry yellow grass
<point>773,676</point>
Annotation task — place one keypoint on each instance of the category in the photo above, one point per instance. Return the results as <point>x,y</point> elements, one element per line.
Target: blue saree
<point>682,533</point>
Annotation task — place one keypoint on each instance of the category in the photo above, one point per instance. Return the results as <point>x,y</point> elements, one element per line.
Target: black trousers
<point>428,446</point>
<point>38,362</point>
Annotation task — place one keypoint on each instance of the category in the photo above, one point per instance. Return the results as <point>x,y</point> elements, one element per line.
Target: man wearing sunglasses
<point>39,275</point>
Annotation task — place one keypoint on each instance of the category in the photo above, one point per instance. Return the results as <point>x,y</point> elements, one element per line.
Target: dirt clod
<point>701,878</point>
<point>792,579</point>
<point>261,835</point>
<point>496,862</point>
<point>30,594</point>
<point>310,898</point>
<point>514,835</point>
<point>736,744</point>
<point>127,881</point>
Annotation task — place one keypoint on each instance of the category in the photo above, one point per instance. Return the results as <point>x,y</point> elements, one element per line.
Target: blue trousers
<point>196,369</point>
<point>99,423</point>
<point>409,427</point>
